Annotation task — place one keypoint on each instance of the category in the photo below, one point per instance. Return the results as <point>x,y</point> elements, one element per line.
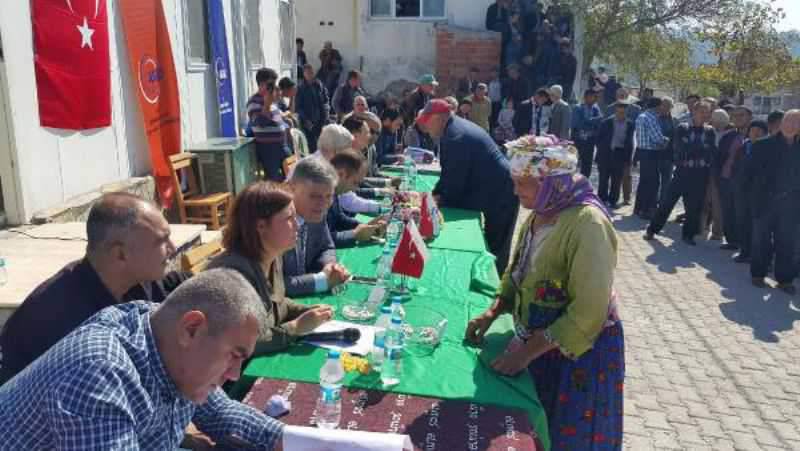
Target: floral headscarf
<point>555,164</point>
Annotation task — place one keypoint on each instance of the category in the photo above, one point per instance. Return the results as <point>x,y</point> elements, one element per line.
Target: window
<point>252,33</point>
<point>407,9</point>
<point>198,53</point>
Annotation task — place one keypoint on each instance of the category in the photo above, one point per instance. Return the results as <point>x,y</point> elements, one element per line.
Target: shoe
<point>729,247</point>
<point>648,236</point>
<point>741,258</point>
<point>689,241</point>
<point>759,282</point>
<point>787,288</point>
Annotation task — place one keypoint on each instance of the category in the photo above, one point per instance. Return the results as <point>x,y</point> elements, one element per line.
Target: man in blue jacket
<point>475,175</point>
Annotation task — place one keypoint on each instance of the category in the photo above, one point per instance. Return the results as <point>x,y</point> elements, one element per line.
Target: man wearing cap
<point>481,106</point>
<point>475,175</point>
<point>419,97</point>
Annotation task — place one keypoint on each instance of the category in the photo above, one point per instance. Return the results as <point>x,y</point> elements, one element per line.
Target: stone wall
<point>458,49</point>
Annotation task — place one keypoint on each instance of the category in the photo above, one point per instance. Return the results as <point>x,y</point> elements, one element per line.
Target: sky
<point>792,9</point>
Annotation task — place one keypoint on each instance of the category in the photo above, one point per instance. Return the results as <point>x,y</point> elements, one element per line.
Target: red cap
<point>435,106</point>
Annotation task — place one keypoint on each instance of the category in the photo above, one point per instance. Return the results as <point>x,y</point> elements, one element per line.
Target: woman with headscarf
<point>559,291</point>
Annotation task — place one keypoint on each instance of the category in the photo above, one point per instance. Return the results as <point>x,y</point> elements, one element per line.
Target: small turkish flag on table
<point>73,72</point>
<point>411,254</point>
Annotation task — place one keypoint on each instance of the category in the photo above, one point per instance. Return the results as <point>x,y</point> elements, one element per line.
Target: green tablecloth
<point>453,370</point>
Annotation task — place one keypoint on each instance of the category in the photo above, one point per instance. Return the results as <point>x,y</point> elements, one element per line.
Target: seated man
<point>346,230</point>
<point>311,266</point>
<point>134,375</point>
<point>127,250</point>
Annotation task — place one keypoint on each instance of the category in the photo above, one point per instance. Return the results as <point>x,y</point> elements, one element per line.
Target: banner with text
<point>219,55</point>
<point>150,55</point>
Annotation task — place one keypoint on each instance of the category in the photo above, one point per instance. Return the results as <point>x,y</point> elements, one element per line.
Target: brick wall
<point>459,49</point>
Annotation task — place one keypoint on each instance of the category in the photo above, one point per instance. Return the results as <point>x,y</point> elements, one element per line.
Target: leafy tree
<point>653,56</point>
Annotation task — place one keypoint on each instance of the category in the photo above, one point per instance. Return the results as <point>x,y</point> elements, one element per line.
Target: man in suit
<point>313,107</point>
<point>614,149</point>
<point>560,114</point>
<point>311,266</point>
<point>346,230</point>
<point>475,175</point>
<point>533,116</point>
<point>775,200</point>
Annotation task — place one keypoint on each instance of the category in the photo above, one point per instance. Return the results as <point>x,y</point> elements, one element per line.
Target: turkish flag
<point>425,218</point>
<point>73,71</point>
<point>411,253</point>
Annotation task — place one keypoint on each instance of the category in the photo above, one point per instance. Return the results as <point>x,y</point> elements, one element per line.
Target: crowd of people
<point>105,370</point>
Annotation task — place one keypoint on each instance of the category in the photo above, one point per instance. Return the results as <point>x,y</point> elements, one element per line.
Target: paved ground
<point>712,363</point>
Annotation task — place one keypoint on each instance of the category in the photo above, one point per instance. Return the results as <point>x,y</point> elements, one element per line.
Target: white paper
<point>296,438</point>
<point>362,347</point>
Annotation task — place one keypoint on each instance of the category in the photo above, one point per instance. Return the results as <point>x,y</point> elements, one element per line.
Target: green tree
<point>751,55</point>
<point>605,20</point>
<point>653,56</point>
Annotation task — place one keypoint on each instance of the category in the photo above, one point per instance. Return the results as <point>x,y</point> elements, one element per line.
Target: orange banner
<point>157,87</point>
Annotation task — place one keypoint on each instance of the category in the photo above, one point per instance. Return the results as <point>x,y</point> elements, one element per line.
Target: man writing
<point>311,267</point>
<point>346,231</point>
<point>475,175</point>
<point>134,375</point>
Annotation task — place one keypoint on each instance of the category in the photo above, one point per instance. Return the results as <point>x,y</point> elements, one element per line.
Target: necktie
<point>301,247</point>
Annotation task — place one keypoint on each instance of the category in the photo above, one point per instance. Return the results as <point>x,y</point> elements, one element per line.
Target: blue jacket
<point>475,174</point>
<point>585,122</point>
<point>341,225</point>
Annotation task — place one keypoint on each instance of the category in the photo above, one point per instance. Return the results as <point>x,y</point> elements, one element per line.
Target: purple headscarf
<point>559,192</point>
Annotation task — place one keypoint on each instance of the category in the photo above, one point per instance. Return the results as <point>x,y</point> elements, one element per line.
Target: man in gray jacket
<point>311,266</point>
<point>560,113</point>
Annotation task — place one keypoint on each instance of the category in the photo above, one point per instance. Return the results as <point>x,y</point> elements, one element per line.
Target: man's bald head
<point>112,217</point>
<point>790,127</point>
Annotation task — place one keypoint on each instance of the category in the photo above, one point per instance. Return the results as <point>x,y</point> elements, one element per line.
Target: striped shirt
<point>267,128</point>
<point>105,386</point>
<point>648,132</point>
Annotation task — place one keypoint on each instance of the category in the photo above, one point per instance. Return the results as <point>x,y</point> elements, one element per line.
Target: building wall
<point>383,49</point>
<point>53,165</point>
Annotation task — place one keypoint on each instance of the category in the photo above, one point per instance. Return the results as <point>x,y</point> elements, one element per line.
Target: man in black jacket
<point>346,93</point>
<point>312,106</point>
<point>775,182</point>
<point>532,117</point>
<point>614,149</point>
<point>126,259</point>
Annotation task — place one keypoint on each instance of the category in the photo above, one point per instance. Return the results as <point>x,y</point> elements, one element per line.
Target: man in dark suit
<point>313,106</point>
<point>311,266</point>
<point>532,117</point>
<point>475,175</point>
<point>775,182</point>
<point>614,149</point>
<point>346,230</point>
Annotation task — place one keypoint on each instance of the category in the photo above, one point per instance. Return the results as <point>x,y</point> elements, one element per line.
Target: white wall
<point>54,165</point>
<point>384,49</point>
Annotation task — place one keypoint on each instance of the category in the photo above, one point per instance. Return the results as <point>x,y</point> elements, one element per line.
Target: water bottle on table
<point>329,406</point>
<point>379,345</point>
<point>392,368</point>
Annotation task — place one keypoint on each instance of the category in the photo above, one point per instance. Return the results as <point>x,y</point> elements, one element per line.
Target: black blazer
<point>523,116</point>
<point>605,137</point>
<point>769,156</point>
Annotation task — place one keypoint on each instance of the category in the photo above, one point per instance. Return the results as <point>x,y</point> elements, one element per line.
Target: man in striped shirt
<point>268,127</point>
<point>650,143</point>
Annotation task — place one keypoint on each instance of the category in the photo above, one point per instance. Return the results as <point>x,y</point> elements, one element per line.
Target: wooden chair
<point>196,259</point>
<point>194,207</point>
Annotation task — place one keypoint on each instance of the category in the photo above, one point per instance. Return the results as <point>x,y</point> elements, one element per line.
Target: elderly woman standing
<point>262,227</point>
<point>559,290</point>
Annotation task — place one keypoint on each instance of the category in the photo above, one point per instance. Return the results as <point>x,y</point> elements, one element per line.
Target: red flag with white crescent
<point>72,65</point>
<point>425,219</point>
<point>411,253</point>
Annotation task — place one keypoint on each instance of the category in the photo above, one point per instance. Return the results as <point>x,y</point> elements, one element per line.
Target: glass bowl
<point>423,328</point>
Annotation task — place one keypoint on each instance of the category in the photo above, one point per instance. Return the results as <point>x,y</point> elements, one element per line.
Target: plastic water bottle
<point>3,272</point>
<point>392,368</point>
<point>412,176</point>
<point>329,406</point>
<point>397,307</point>
<point>384,270</point>
<point>393,231</point>
<point>379,345</point>
<point>408,164</point>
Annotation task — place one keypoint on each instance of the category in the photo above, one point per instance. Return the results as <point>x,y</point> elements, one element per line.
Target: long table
<point>453,284</point>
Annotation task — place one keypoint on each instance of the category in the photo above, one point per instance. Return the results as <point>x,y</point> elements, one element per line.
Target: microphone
<point>349,335</point>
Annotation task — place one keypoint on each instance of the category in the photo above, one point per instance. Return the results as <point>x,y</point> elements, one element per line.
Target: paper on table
<point>298,438</point>
<point>362,347</point>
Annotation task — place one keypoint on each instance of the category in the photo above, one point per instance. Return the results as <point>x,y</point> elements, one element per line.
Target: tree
<point>751,55</point>
<point>605,20</point>
<point>653,56</point>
